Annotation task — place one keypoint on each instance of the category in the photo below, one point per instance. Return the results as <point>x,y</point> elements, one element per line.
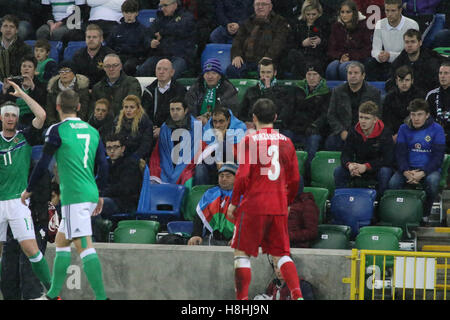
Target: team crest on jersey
<point>418,146</point>
<point>16,140</point>
<point>427,138</point>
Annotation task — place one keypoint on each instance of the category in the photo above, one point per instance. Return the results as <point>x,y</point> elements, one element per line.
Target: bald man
<point>158,94</point>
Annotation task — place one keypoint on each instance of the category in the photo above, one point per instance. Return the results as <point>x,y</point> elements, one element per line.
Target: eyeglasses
<point>111,66</point>
<point>64,71</point>
<point>163,5</point>
<point>113,148</point>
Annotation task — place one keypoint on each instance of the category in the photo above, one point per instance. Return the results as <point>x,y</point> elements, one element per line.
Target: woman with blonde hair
<point>136,127</point>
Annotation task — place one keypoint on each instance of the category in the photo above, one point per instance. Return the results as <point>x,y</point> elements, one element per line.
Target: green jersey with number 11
<point>76,145</point>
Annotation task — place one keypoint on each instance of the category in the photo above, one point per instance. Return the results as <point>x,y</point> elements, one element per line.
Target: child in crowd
<point>46,67</point>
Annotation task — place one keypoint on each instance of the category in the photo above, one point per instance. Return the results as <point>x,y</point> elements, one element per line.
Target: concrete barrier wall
<point>155,272</point>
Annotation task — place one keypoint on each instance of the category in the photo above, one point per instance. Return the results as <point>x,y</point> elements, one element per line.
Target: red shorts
<point>270,232</point>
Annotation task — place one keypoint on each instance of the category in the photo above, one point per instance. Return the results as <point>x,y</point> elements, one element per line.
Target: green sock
<point>62,262</point>
<point>41,269</point>
<point>93,270</point>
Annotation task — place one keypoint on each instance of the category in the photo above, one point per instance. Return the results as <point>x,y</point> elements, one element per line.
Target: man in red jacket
<point>266,183</point>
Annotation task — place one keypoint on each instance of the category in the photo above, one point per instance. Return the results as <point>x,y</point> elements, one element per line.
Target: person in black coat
<point>397,100</point>
<point>368,151</point>
<point>102,118</point>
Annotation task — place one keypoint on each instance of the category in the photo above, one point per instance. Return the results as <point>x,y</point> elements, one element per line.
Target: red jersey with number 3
<point>268,175</point>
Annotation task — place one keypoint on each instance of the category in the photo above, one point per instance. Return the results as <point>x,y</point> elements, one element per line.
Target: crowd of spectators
<point>307,41</point>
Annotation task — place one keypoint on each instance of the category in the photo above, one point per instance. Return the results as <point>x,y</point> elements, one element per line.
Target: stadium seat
<point>444,171</point>
<point>293,83</point>
<point>320,198</point>
<point>242,85</point>
<point>380,85</point>
<point>322,169</point>
<point>332,237</point>
<point>55,50</point>
<point>192,200</point>
<point>438,24</point>
<point>220,51</point>
<point>334,83</point>
<point>444,51</point>
<point>186,82</point>
<point>136,231</point>
<point>145,81</point>
<point>301,157</point>
<point>146,17</point>
<point>163,202</point>
<point>402,209</point>
<point>353,207</point>
<point>180,226</point>
<point>72,47</point>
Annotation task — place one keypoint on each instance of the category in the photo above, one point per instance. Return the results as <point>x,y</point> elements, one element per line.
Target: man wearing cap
<point>15,146</point>
<point>306,120</point>
<point>212,211</point>
<point>172,36</point>
<point>211,88</point>
<point>67,79</point>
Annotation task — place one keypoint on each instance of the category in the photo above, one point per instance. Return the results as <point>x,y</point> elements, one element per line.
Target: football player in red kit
<point>266,183</point>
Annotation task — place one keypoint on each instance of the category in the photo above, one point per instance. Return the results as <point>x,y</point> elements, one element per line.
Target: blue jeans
<point>221,35</point>
<point>334,143</point>
<point>342,178</point>
<point>147,69</point>
<point>337,71</point>
<point>311,143</point>
<point>430,184</point>
<point>241,73</point>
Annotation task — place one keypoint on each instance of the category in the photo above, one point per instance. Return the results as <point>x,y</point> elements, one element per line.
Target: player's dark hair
<point>418,105</point>
<point>68,100</point>
<point>265,110</point>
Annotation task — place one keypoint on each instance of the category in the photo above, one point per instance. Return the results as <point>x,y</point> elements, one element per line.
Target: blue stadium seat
<point>72,47</point>
<point>353,207</point>
<point>220,51</point>
<point>380,85</point>
<point>146,16</point>
<point>180,226</point>
<point>55,51</point>
<point>334,83</point>
<point>438,24</point>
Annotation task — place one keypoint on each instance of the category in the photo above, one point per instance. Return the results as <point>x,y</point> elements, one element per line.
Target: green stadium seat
<point>402,209</point>
<point>192,199</point>
<point>301,157</point>
<point>136,231</point>
<point>293,83</point>
<point>320,198</point>
<point>322,169</point>
<point>242,85</point>
<point>186,82</point>
<point>444,171</point>
<point>332,236</point>
<point>444,51</point>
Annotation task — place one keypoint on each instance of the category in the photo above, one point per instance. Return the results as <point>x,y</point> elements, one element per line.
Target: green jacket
<point>123,87</point>
<point>10,58</point>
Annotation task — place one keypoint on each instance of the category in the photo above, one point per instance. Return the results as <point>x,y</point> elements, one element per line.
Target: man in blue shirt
<point>419,153</point>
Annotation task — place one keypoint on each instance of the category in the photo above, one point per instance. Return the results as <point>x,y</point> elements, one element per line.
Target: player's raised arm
<point>35,107</point>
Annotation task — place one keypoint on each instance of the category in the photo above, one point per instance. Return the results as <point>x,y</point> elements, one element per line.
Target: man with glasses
<point>264,34</point>
<point>88,61</point>
<point>116,85</point>
<point>173,37</point>
<point>123,171</point>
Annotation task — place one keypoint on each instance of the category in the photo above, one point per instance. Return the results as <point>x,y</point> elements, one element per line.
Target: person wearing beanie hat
<point>211,211</point>
<point>210,89</point>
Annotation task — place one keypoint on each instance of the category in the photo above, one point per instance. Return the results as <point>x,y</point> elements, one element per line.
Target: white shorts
<point>76,220</point>
<point>18,216</point>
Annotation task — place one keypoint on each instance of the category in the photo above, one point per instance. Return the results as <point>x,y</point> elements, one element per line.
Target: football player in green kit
<point>77,148</point>
<point>15,158</point>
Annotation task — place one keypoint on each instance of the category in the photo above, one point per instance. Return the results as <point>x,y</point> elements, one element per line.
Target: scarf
<point>40,70</point>
<point>209,100</point>
<point>262,86</point>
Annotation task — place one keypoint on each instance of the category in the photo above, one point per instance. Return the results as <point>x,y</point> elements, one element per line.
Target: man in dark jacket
<point>424,62</point>
<point>439,100</point>
<point>29,14</point>
<point>210,89</point>
<point>12,48</point>
<point>172,38</point>
<point>396,102</point>
<point>230,14</point>
<point>368,151</point>
<point>123,171</point>
<point>264,34</point>
<point>116,85</point>
<point>344,103</point>
<point>88,61</point>
<point>157,96</point>
<point>128,39</point>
